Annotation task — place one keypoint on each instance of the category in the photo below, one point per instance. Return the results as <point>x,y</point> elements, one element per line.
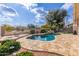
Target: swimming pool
<point>45,37</point>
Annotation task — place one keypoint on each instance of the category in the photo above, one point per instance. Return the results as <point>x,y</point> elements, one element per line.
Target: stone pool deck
<point>64,44</point>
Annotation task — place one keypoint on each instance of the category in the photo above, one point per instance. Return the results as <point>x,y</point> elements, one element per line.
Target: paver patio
<point>64,44</point>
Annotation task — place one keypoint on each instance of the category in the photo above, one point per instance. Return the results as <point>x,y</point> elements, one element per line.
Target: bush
<point>9,46</point>
<point>43,30</point>
<point>7,40</point>
<point>24,54</point>
<point>32,31</point>
<point>4,50</point>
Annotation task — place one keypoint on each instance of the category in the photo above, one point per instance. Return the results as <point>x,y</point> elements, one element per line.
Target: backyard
<point>55,37</point>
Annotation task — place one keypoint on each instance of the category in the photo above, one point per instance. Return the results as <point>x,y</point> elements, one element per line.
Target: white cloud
<point>66,6</point>
<point>38,16</point>
<point>30,5</point>
<point>10,14</point>
<point>6,19</point>
<point>8,10</point>
<point>38,11</point>
<point>34,10</point>
<point>2,5</point>
<point>6,13</point>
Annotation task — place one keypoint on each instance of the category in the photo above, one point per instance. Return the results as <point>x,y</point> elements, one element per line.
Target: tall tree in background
<point>55,18</point>
<point>31,26</point>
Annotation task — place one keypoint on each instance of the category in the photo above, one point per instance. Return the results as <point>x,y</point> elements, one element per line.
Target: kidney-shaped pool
<point>45,37</point>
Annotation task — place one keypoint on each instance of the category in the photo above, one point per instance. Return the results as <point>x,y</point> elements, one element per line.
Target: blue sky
<point>24,14</point>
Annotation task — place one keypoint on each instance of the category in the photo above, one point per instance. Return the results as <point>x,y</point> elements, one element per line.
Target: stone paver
<point>65,44</point>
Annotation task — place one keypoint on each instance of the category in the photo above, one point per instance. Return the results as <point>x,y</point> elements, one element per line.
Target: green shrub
<point>32,31</point>
<point>9,46</point>
<point>43,30</point>
<point>7,40</point>
<point>4,50</point>
<point>24,54</point>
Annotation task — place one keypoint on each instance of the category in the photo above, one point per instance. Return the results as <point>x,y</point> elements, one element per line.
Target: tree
<point>8,28</point>
<point>31,26</point>
<point>55,18</point>
<point>20,28</point>
<point>46,26</point>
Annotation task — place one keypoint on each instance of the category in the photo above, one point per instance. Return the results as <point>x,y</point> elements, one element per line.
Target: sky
<point>31,13</point>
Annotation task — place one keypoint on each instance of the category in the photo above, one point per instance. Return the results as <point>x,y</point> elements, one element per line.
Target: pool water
<point>46,37</point>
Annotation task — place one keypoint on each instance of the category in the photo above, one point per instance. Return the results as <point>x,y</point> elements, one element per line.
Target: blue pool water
<point>46,37</point>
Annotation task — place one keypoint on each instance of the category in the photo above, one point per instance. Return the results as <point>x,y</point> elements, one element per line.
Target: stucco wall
<point>76,17</point>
